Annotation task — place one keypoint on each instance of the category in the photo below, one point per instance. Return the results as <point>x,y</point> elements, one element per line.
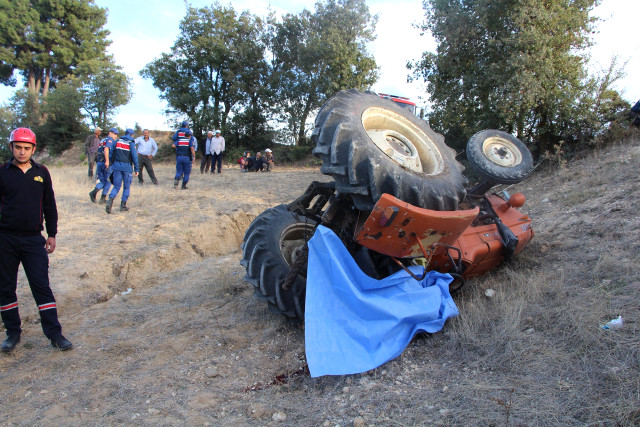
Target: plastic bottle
<point>613,323</point>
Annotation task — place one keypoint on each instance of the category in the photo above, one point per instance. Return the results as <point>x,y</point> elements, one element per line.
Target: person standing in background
<point>206,154</point>
<point>217,147</point>
<point>146,148</point>
<point>91,144</point>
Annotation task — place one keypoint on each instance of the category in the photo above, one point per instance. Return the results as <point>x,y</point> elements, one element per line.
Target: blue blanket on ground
<point>354,323</point>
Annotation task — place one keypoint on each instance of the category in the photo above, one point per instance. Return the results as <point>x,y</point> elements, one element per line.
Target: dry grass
<point>531,355</point>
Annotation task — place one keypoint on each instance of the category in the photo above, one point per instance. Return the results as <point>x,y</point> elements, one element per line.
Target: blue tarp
<point>354,323</point>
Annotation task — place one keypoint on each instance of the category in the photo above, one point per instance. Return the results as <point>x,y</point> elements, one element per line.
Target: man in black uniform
<point>26,198</point>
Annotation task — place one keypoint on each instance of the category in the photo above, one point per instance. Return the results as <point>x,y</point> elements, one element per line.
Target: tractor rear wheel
<point>271,245</point>
<point>372,146</point>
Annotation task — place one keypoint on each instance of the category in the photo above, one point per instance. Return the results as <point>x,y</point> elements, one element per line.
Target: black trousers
<point>31,253</point>
<point>145,162</point>
<point>205,161</point>
<point>216,160</point>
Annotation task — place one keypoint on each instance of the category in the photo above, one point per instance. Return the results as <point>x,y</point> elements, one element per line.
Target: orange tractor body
<point>444,238</point>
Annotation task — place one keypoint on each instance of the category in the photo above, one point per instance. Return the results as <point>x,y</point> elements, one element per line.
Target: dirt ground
<point>166,332</point>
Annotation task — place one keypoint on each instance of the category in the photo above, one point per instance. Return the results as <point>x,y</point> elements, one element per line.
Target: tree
<point>216,63</point>
<point>507,64</point>
<point>64,123</point>
<point>316,54</point>
<point>46,39</point>
<point>61,108</point>
<point>8,122</point>
<point>105,87</point>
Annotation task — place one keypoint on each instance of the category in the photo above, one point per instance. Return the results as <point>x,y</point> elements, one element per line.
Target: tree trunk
<point>47,81</point>
<point>303,119</point>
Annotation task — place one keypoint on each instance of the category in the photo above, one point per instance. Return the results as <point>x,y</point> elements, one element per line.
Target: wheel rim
<point>293,239</point>
<point>402,141</point>
<point>501,151</point>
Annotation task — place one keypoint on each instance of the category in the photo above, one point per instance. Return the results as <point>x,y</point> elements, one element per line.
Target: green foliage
<point>231,155</point>
<point>217,63</point>
<point>516,66</point>
<point>46,39</point>
<point>63,122</point>
<point>56,120</point>
<point>8,121</point>
<point>317,54</point>
<point>165,152</point>
<point>248,130</point>
<point>105,87</point>
<point>295,153</point>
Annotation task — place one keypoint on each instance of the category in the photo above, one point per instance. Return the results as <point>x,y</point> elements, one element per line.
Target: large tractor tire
<point>270,247</point>
<point>499,157</point>
<point>372,146</point>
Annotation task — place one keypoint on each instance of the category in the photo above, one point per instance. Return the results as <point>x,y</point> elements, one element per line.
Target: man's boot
<point>10,343</point>
<point>92,195</point>
<point>109,205</point>
<point>123,207</point>
<point>175,183</point>
<point>103,199</point>
<point>184,186</point>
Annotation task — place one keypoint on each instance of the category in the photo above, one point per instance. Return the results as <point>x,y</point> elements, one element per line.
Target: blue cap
<point>188,132</point>
<point>185,124</point>
<point>129,132</point>
<point>114,130</point>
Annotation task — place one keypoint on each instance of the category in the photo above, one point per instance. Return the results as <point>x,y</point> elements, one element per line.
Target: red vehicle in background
<point>401,101</point>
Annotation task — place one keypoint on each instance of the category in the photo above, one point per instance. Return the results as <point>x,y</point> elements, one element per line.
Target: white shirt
<point>217,145</point>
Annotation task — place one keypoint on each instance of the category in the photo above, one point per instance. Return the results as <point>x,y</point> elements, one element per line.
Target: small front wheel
<point>499,157</point>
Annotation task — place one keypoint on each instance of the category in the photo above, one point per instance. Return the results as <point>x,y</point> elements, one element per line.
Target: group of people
<point>117,162</point>
<point>186,145</point>
<point>118,159</point>
<point>259,162</point>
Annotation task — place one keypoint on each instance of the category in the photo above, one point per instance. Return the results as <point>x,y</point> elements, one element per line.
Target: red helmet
<point>23,135</point>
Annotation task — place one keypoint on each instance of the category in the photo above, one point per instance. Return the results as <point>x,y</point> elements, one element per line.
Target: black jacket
<point>26,199</point>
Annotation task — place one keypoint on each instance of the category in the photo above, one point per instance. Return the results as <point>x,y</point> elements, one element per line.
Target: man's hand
<point>106,165</point>
<point>135,174</point>
<point>50,245</point>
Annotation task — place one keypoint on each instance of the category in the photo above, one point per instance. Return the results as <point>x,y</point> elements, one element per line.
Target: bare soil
<point>166,332</point>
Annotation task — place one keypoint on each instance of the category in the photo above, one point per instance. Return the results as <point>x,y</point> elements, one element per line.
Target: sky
<point>142,31</point>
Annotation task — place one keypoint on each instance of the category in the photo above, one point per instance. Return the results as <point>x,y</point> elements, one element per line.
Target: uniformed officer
<point>26,198</point>
<point>122,156</point>
<point>102,166</point>
<point>185,156</point>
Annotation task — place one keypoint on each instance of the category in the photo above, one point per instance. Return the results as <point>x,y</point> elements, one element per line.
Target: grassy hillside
<point>189,344</point>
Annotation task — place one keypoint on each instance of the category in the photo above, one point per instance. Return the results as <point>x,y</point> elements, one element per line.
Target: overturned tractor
<point>398,198</point>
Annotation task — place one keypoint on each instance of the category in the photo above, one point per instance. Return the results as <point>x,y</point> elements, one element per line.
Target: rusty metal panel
<point>394,227</point>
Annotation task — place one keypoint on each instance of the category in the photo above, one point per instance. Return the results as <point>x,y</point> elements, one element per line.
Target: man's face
<point>22,151</point>
<point>96,132</point>
<point>146,134</point>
